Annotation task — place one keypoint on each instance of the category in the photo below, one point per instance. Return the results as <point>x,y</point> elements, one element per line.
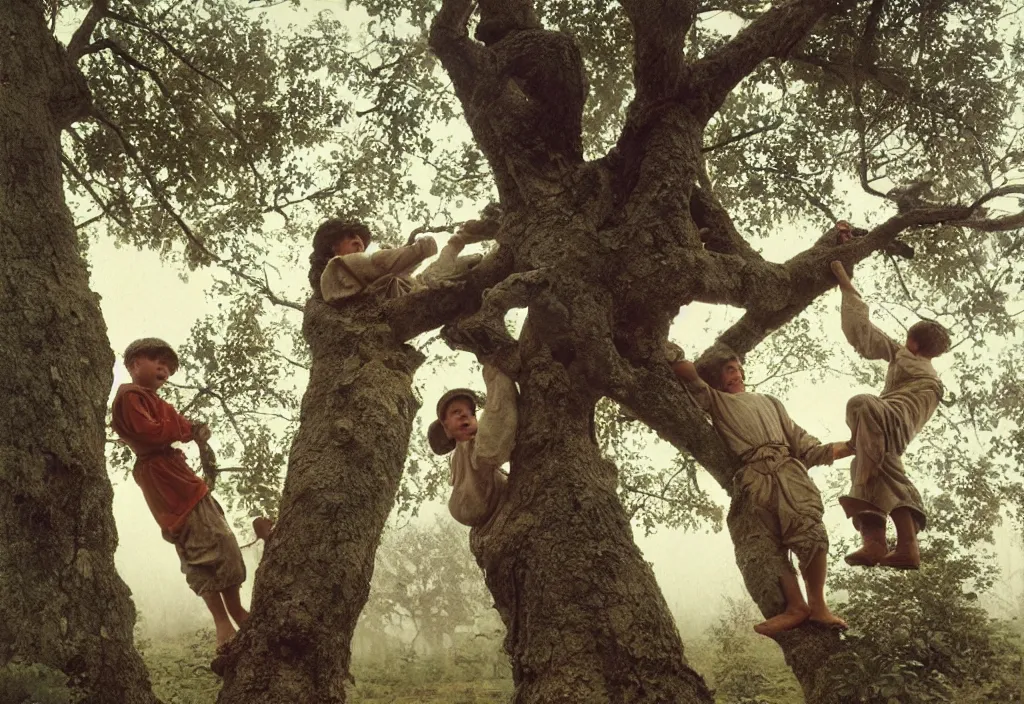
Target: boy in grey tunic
<point>776,453</point>
<point>883,426</point>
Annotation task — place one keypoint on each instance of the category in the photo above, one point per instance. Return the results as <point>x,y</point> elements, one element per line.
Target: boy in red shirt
<point>179,499</point>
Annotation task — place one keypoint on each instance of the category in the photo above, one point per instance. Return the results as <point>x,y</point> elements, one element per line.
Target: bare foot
<point>822,616</point>
<point>904,557</point>
<point>788,619</point>
<point>225,633</point>
<point>868,556</point>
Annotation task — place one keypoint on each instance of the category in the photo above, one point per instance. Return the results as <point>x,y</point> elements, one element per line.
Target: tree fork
<point>586,620</point>
<point>63,604</point>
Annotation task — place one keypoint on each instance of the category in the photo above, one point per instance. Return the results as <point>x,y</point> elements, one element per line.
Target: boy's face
<point>150,370</point>
<point>349,244</point>
<point>459,420</point>
<point>732,377</point>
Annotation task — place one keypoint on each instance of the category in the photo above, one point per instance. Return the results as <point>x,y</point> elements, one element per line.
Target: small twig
<point>81,179</point>
<point>139,24</point>
<point>165,204</point>
<point>743,135</point>
<point>424,229</point>
<point>899,278</point>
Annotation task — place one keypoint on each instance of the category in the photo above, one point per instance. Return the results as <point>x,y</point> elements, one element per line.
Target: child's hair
<point>327,235</point>
<point>712,372</point>
<point>931,337</point>
<point>151,347</point>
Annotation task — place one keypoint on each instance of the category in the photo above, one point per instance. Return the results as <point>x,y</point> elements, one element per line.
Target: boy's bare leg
<point>907,555</point>
<point>796,611</point>
<point>872,531</point>
<point>233,601</point>
<point>814,577</point>
<point>225,630</point>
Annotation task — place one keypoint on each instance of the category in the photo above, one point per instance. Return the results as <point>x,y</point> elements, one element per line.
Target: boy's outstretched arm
<point>496,432</point>
<point>869,341</point>
<point>841,450</point>
<point>844,279</point>
<point>685,370</point>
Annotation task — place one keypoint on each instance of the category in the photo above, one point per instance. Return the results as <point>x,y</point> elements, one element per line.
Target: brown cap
<point>440,443</point>
<point>150,346</point>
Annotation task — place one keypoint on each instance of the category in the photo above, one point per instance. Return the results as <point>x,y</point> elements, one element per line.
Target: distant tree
<point>426,580</point>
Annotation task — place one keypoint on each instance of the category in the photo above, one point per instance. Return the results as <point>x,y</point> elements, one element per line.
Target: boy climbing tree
<point>775,453</point>
<point>339,247</point>
<point>881,428</point>
<point>480,449</point>
<point>180,500</point>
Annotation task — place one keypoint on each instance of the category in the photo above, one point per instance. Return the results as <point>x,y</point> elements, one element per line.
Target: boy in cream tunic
<point>881,428</point>
<point>480,448</point>
<point>775,453</point>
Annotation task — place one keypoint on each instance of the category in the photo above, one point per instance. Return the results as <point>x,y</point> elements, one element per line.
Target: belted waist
<point>149,453</point>
<point>767,458</point>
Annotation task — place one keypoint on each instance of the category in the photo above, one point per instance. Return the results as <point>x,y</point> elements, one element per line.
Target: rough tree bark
<point>585,618</point>
<point>344,469</point>
<point>343,473</point>
<point>62,603</point>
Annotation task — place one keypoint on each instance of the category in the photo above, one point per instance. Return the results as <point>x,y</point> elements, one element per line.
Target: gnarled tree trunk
<point>343,473</point>
<point>62,603</point>
<point>585,618</point>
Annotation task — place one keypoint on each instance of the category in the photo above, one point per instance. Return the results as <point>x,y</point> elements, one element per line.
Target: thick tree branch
<point>499,17</point>
<point>83,35</point>
<point>658,400</point>
<point>774,33</point>
<point>462,58</point>
<point>659,32</point>
<point>717,230</point>
<point>522,93</point>
<point>810,276</point>
<point>439,305</point>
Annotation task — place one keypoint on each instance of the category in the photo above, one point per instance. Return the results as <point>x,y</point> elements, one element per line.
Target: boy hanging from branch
<point>480,448</point>
<point>180,500</point>
<point>775,453</point>
<point>883,426</point>
<point>339,251</point>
